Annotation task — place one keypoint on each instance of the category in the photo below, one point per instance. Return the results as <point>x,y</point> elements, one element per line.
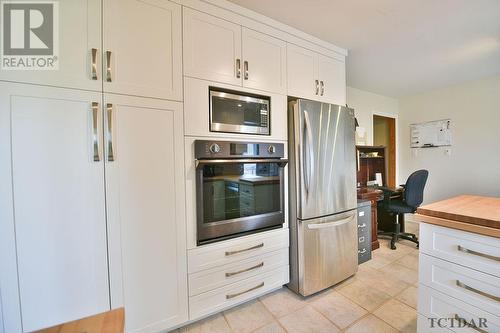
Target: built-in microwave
<point>237,112</point>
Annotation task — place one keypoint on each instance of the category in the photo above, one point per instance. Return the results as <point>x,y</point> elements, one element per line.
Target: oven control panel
<point>205,149</point>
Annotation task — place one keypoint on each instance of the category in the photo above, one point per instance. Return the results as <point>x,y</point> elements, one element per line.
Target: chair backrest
<point>414,189</point>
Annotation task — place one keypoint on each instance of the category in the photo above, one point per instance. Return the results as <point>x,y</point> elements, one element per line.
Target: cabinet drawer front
<point>219,299</point>
<point>220,276</point>
<point>480,289</point>
<point>364,254</point>
<point>247,190</point>
<point>434,304</point>
<point>475,251</point>
<point>235,250</point>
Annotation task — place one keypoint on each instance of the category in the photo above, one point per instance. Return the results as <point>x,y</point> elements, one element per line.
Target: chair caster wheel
<point>393,247</point>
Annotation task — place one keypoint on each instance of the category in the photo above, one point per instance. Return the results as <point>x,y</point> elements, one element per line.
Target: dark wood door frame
<point>391,147</point>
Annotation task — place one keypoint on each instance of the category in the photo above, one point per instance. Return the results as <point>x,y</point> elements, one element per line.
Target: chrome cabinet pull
<point>477,291</point>
<point>93,71</point>
<point>109,111</point>
<point>108,67</point>
<point>245,291</point>
<point>474,327</point>
<point>362,251</point>
<point>322,84</point>
<point>95,134</point>
<point>230,253</point>
<point>317,86</point>
<point>245,270</point>
<point>487,256</point>
<point>238,68</point>
<point>245,69</point>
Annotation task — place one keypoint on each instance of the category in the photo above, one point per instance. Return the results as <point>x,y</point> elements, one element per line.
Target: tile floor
<point>381,297</point>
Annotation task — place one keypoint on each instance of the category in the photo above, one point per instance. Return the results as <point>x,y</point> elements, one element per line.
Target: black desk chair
<point>411,199</point>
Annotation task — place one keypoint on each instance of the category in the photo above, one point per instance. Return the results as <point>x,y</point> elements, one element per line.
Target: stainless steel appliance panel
<point>327,251</point>
<point>324,154</point>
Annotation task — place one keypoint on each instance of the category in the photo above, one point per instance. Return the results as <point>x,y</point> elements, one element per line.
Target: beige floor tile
<point>307,320</point>
<point>409,296</point>
<point>364,295</point>
<point>371,324</point>
<point>248,317</point>
<point>213,324</point>
<point>273,327</point>
<point>380,280</point>
<point>409,261</point>
<point>282,302</point>
<point>339,309</point>
<point>401,272</point>
<point>398,315</point>
<point>378,261</point>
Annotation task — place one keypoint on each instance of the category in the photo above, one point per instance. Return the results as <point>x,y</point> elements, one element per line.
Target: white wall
<point>365,104</point>
<point>474,164</point>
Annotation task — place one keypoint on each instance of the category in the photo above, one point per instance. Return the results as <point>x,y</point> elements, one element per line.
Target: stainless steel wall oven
<point>239,188</point>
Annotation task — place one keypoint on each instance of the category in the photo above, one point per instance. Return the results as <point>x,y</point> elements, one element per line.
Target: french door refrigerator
<point>322,177</point>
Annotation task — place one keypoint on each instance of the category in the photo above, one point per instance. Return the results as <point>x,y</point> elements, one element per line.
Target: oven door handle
<point>280,161</point>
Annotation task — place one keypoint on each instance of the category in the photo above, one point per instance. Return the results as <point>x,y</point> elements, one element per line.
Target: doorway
<point>384,134</point>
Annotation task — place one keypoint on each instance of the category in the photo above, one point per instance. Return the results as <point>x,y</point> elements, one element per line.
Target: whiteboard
<point>431,134</point>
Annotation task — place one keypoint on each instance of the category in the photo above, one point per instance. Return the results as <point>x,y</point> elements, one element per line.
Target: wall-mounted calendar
<point>431,134</point>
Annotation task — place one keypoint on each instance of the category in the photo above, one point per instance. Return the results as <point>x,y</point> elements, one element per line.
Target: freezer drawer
<point>327,251</point>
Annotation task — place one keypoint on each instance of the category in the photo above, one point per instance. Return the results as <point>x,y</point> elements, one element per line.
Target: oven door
<point>233,113</point>
<point>238,196</point>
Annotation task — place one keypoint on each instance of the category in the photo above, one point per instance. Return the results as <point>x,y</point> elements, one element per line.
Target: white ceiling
<point>400,47</point>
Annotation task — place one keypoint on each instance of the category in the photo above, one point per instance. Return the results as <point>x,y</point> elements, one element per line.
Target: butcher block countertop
<point>470,213</point>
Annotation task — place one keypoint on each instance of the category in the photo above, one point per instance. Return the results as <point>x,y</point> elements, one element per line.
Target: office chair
<point>411,199</point>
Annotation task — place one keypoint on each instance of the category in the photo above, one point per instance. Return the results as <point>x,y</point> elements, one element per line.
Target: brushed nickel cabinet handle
<point>109,112</point>
<point>238,68</point>
<point>473,326</point>
<point>477,291</point>
<point>230,253</point>
<point>245,69</point>
<point>95,133</point>
<point>245,291</point>
<point>322,84</point>
<point>245,270</point>
<point>487,256</point>
<point>93,71</point>
<point>108,67</point>
<point>317,86</point>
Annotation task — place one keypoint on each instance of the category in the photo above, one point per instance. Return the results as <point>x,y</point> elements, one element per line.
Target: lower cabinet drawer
<point>468,285</point>
<point>217,277</point>
<point>364,254</point>
<point>478,252</point>
<point>454,312</point>
<point>222,298</point>
<point>236,250</point>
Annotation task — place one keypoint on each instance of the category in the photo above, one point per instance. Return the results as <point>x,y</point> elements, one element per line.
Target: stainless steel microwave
<point>237,112</point>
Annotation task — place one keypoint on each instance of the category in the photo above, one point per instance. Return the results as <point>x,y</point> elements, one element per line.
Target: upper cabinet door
<point>77,29</point>
<point>302,72</point>
<point>142,52</point>
<point>58,206</point>
<point>332,80</point>
<point>212,48</point>
<point>146,214</point>
<point>264,62</point>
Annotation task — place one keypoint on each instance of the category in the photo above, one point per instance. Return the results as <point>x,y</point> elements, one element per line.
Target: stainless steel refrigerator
<point>322,179</point>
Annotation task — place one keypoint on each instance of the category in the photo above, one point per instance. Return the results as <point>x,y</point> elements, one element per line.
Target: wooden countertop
<point>106,322</point>
<point>471,213</point>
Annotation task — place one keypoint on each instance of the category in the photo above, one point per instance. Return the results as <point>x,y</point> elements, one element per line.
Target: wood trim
<point>477,229</point>
<point>391,158</point>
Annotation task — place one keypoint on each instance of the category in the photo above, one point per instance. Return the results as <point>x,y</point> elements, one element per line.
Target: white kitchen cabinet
<point>79,32</point>
<point>264,62</point>
<point>212,48</point>
<point>315,76</point>
<point>142,52</point>
<point>56,205</point>
<point>332,80</point>
<point>146,217</point>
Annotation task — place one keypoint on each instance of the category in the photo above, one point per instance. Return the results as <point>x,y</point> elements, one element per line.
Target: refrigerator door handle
<point>308,152</point>
<point>331,224</point>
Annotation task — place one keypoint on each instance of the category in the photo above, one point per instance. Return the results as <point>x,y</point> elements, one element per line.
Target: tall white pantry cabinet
<point>92,210</point>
